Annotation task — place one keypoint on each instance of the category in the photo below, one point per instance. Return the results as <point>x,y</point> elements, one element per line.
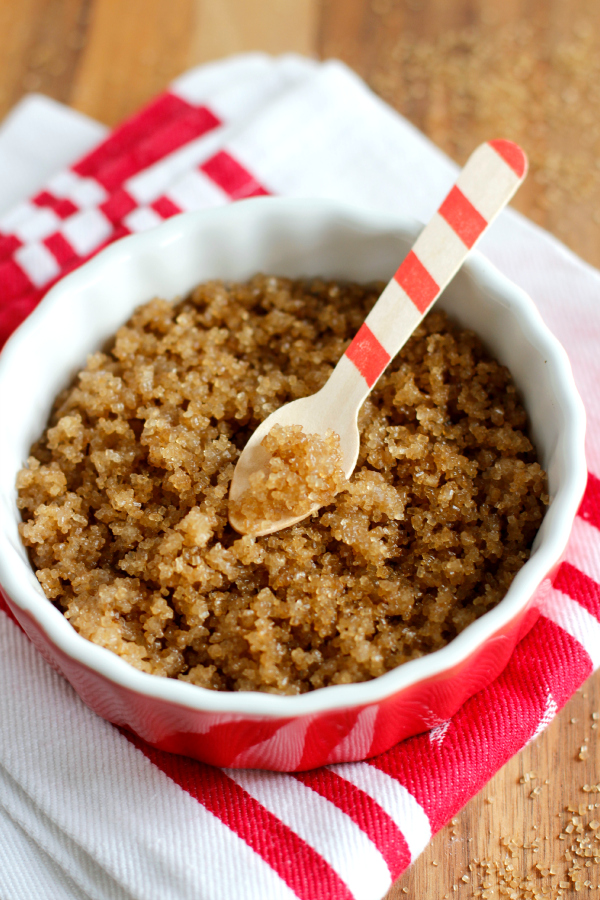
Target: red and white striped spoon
<point>485,185</point>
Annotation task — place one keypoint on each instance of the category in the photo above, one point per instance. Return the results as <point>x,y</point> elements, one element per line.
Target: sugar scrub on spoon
<point>304,472</point>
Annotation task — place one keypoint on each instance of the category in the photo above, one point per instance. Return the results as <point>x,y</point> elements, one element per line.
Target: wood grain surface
<point>463,71</point>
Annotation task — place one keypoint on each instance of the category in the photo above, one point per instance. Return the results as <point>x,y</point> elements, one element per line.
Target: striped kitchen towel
<point>88,812</point>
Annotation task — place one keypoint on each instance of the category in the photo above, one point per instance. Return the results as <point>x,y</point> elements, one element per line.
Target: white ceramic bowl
<point>293,238</point>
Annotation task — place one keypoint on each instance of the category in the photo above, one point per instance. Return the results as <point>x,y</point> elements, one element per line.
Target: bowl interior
<point>293,238</point>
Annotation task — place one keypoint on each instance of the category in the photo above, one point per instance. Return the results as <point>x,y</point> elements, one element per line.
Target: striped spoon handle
<point>485,185</point>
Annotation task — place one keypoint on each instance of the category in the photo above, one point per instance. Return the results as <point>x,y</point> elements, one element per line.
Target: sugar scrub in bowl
<point>370,620</point>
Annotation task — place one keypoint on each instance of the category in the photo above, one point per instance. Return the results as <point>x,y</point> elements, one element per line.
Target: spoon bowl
<point>317,414</point>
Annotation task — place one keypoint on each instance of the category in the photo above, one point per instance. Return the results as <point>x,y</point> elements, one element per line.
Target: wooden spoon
<point>485,185</point>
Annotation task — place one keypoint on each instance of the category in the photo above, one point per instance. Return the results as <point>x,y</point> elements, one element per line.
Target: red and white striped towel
<point>86,812</point>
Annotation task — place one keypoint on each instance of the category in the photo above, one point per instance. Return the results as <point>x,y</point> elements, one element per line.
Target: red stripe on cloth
<point>61,249</point>
<point>15,312</point>
<point>43,199</point>
<point>14,281</point>
<point>295,861</point>
<point>367,354</point>
<point>158,144</point>
<point>232,177</point>
<point>512,155</point>
<point>60,205</point>
<point>8,244</point>
<point>118,206</point>
<point>579,587</point>
<point>24,298</point>
<point>365,812</point>
<point>158,114</point>
<point>165,207</point>
<point>490,727</point>
<point>462,217</point>
<point>64,208</point>
<point>589,508</point>
<point>414,278</point>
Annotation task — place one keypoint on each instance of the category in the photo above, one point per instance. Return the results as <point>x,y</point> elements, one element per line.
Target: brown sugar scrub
<point>124,497</point>
<point>304,471</point>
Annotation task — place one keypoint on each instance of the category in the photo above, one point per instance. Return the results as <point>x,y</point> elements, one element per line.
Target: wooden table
<point>461,70</point>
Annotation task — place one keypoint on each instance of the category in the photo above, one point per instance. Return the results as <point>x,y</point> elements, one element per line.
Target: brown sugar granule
<point>124,497</point>
<point>573,867</point>
<point>304,471</point>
